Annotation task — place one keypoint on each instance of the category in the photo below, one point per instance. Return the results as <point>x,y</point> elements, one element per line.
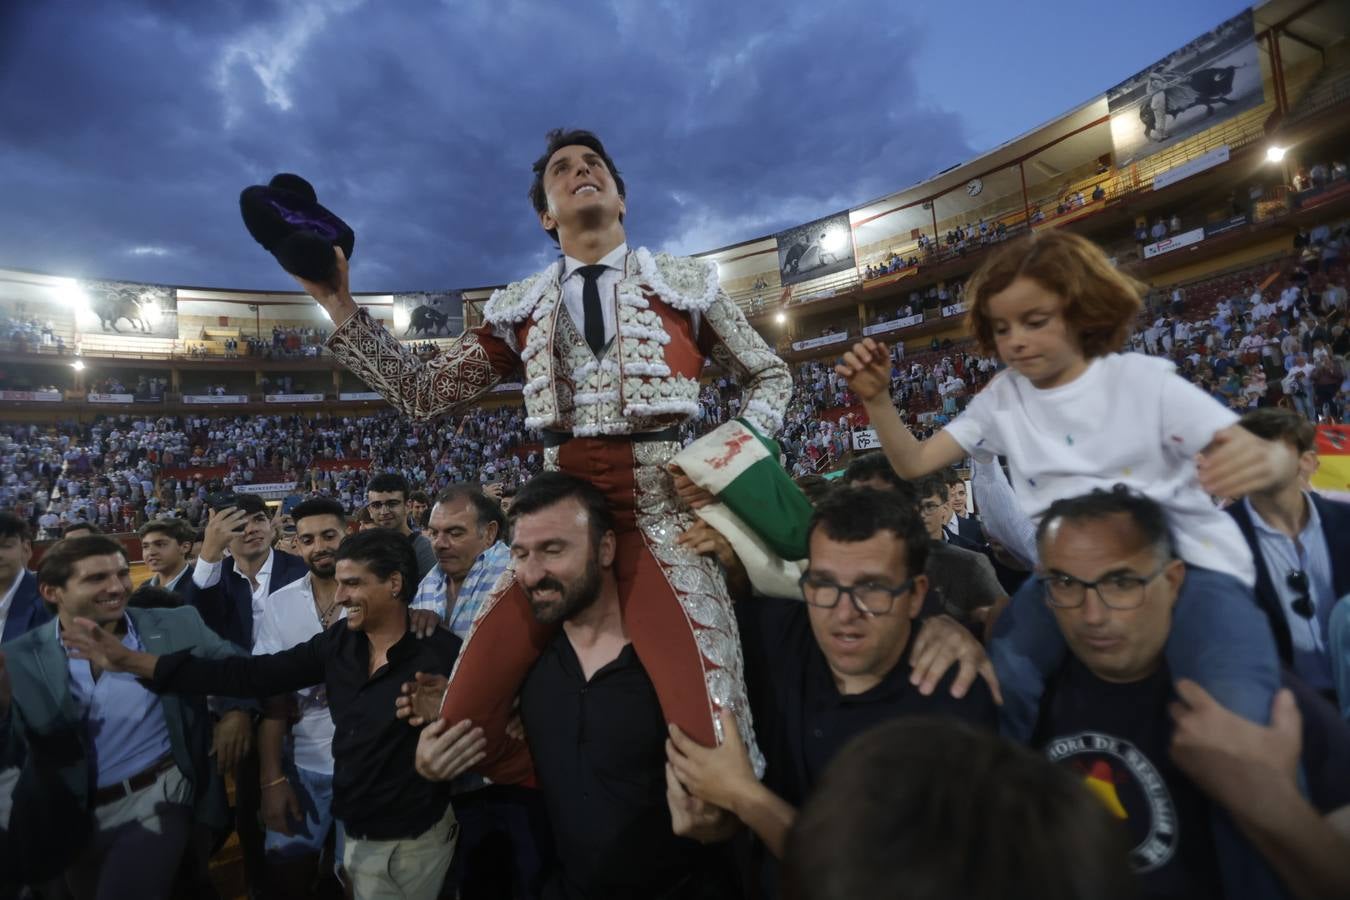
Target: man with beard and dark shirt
<point>592,720</point>
<point>1111,578</point>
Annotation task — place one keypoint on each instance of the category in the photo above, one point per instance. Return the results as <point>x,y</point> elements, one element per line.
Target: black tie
<point>590,307</point>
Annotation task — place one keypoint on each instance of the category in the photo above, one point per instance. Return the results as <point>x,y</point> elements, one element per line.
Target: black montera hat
<point>286,218</point>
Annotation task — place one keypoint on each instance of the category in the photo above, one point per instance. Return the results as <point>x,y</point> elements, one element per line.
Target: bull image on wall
<point>130,309</point>
<point>424,315</point>
<point>1212,79</point>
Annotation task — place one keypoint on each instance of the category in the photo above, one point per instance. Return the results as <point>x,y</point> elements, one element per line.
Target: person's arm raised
<point>867,368</point>
<point>462,370</point>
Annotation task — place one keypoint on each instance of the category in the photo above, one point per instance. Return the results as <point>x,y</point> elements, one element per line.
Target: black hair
<point>815,487</point>
<point>58,563</point>
<point>914,800</point>
<point>419,497</point>
<point>1148,517</point>
<point>555,140</point>
<point>384,552</point>
<point>178,530</point>
<point>852,514</point>
<point>551,488</point>
<point>150,596</point>
<point>1276,424</point>
<point>318,506</point>
<point>250,504</point>
<point>81,525</point>
<point>487,509</point>
<point>872,465</point>
<point>13,526</point>
<point>930,486</point>
<point>388,483</point>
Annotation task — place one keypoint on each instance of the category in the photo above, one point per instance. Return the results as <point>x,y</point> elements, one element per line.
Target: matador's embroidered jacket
<point>671,315</point>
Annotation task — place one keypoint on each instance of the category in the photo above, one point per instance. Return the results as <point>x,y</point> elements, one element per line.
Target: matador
<point>611,342</point>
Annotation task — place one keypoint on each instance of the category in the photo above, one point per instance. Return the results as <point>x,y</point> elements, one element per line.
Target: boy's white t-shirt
<point>1128,419</point>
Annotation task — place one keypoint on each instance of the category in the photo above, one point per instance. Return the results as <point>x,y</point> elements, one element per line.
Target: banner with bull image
<point>816,249</point>
<point>428,314</point>
<point>1211,79</point>
<point>127,309</point>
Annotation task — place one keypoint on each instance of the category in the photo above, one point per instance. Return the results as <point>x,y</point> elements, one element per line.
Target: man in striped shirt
<point>500,825</point>
<point>467,530</point>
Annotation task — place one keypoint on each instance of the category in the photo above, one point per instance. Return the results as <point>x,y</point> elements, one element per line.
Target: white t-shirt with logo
<point>1128,419</point>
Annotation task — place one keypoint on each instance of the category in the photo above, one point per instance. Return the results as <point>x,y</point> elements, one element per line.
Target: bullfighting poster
<point>428,314</point>
<point>127,309</point>
<point>1211,79</point>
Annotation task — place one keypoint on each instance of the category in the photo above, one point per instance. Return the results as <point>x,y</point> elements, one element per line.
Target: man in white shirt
<point>296,781</point>
<point>231,593</point>
<point>165,544</point>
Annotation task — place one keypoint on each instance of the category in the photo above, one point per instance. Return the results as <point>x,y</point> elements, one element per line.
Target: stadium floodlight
<point>1275,154</point>
<point>78,365</point>
<point>780,318</point>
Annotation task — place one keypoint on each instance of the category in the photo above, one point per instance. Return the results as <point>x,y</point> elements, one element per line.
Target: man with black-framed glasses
<point>826,668</point>
<point>387,500</point>
<point>1165,759</point>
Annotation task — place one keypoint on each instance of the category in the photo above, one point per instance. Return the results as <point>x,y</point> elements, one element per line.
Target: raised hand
<point>222,526</point>
<point>335,295</point>
<point>867,369</point>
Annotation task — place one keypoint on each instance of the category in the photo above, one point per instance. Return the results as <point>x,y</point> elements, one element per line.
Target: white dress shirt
<point>573,284</point>
<point>7,601</point>
<point>207,574</point>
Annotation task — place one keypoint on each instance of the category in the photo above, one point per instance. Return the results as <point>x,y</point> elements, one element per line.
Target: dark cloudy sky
<point>128,127</point>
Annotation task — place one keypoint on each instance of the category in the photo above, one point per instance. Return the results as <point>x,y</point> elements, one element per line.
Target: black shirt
<point>599,756</point>
<point>1115,738</point>
<point>802,720</point>
<point>377,794</point>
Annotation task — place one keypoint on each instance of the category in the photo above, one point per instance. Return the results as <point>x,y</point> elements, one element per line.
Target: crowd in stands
<point>1319,174</point>
<point>1284,345</point>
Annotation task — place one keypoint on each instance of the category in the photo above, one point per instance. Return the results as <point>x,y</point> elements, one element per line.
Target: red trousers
<point>674,630</point>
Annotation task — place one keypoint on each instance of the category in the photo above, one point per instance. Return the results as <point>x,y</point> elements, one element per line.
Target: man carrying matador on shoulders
<point>611,341</point>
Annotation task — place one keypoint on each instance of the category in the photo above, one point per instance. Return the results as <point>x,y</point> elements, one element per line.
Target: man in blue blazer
<point>21,609</point>
<point>1301,544</point>
<point>229,591</point>
<point>113,772</point>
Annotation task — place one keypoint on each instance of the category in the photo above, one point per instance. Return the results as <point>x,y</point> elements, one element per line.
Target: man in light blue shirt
<point>130,771</point>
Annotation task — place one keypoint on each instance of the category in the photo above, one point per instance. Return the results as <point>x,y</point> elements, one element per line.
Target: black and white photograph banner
<point>1211,79</point>
<point>814,250</point>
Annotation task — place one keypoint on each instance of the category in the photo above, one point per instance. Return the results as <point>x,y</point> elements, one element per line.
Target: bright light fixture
<point>835,241</point>
<point>78,365</point>
<point>1274,154</point>
<point>780,318</point>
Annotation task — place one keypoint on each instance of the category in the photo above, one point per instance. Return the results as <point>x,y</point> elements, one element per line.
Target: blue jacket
<point>27,611</point>
<point>227,606</point>
<point>1335,518</point>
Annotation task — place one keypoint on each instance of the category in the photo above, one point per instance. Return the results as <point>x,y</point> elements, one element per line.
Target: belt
<point>138,782</point>
<point>558,438</point>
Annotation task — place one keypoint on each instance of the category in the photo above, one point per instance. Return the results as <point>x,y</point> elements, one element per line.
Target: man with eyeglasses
<point>827,669</point>
<point>1111,578</point>
<point>387,500</point>
<point>1301,545</point>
